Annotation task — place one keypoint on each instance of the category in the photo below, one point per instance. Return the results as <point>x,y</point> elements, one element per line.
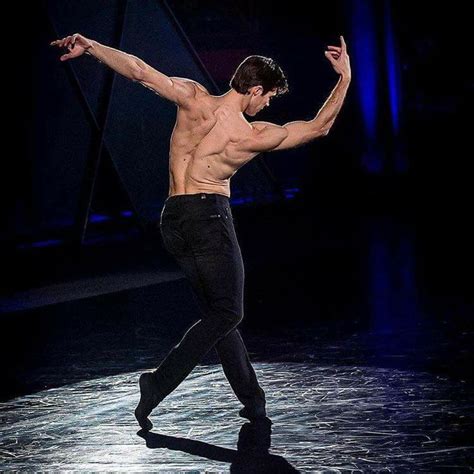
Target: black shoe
<point>149,399</point>
<point>253,415</point>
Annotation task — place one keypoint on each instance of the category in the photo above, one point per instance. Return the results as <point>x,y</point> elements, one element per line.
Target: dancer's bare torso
<point>206,145</point>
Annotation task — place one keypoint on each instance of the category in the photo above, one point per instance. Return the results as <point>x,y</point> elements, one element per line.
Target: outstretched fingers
<point>331,58</point>
<point>64,42</point>
<point>68,43</point>
<point>72,42</point>
<point>58,42</point>
<point>334,51</point>
<point>343,43</point>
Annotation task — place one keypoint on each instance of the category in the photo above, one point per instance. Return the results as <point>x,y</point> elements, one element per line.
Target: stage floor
<point>331,418</point>
<point>360,329</point>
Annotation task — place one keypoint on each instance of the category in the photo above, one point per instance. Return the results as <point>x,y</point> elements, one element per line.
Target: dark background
<point>424,165</point>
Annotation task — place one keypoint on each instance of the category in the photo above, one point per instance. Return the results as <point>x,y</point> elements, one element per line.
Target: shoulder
<point>192,87</point>
<point>191,93</point>
<point>200,88</point>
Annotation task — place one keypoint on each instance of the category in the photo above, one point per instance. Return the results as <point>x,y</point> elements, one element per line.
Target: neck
<point>235,100</point>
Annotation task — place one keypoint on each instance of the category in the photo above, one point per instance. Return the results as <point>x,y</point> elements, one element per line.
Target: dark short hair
<point>259,71</point>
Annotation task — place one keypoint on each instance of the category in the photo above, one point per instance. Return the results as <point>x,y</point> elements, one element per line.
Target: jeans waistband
<point>186,198</point>
<point>188,206</point>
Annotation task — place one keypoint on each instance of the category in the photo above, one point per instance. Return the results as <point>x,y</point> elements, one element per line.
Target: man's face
<point>259,100</point>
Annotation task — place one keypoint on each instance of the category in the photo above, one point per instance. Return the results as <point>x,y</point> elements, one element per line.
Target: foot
<point>253,415</point>
<point>148,400</point>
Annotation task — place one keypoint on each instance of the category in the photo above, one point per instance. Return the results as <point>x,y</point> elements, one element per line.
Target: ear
<point>256,90</point>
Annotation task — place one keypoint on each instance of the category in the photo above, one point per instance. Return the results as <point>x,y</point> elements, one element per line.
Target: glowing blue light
<point>291,192</point>
<point>94,218</point>
<point>364,54</point>
<point>40,244</point>
<point>392,70</point>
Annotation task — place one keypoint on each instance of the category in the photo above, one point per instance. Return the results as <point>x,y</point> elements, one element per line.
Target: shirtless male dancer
<point>211,140</point>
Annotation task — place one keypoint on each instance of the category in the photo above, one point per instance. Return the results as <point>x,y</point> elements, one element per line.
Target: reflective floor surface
<point>360,329</point>
<point>344,418</point>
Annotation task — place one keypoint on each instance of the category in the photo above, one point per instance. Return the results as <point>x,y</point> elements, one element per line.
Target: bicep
<point>299,133</point>
<point>175,89</point>
<point>265,136</point>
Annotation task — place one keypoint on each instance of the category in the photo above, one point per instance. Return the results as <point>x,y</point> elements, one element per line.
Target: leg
<point>223,315</point>
<point>240,373</point>
<point>233,356</point>
<point>222,280</point>
<point>208,252</point>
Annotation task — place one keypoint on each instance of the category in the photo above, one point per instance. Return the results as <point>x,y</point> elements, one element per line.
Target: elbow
<point>137,73</point>
<point>322,132</point>
<point>319,130</point>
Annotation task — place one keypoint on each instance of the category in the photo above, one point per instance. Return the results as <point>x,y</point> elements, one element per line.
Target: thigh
<point>215,267</point>
<point>222,278</point>
<point>172,236</point>
<point>204,244</point>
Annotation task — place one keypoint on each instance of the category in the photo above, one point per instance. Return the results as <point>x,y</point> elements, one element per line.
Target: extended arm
<point>177,90</point>
<point>300,132</point>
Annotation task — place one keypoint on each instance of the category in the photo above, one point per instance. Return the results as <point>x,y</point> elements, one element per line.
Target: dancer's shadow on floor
<point>251,455</point>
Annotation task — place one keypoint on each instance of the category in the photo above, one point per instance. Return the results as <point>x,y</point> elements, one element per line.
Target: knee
<point>236,318</point>
<point>231,319</point>
<point>225,314</point>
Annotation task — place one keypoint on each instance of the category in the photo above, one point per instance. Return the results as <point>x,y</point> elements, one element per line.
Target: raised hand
<point>339,59</point>
<point>76,44</point>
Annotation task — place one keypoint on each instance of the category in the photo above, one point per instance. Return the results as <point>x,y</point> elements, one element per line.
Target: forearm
<point>123,63</point>
<point>328,112</point>
<point>301,132</point>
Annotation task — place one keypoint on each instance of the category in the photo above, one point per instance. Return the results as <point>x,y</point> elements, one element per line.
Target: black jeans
<point>198,230</point>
